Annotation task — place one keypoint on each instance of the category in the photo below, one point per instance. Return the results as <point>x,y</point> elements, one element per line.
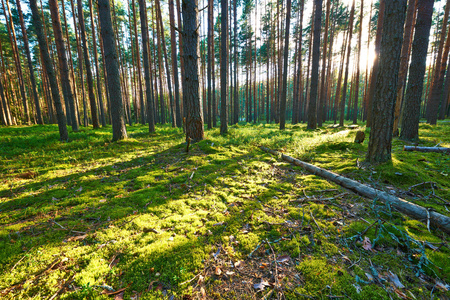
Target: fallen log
<point>427,149</point>
<point>410,209</point>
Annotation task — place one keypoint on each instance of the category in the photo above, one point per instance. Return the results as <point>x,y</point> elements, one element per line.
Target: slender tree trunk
<point>63,65</point>
<point>344,90</point>
<point>411,112</point>
<point>43,47</point>
<point>312,116</point>
<point>236,66</point>
<point>166,63</point>
<point>285,67</point>
<point>15,51</point>
<point>223,68</point>
<point>366,82</point>
<point>176,81</point>
<point>380,139</point>
<point>138,63</point>
<point>322,95</point>
<point>436,86</point>
<point>97,70</point>
<point>355,101</point>
<point>112,69</point>
<point>148,86</point>
<point>87,62</point>
<point>30,64</point>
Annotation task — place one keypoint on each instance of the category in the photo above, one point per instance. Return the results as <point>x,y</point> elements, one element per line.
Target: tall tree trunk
<point>194,121</point>
<point>176,81</point>
<point>285,67</point>
<point>411,111</point>
<point>407,39</point>
<point>366,81</point>
<point>376,61</point>
<point>15,51</point>
<point>210,59</point>
<point>80,64</point>
<point>223,67</point>
<point>43,47</point>
<point>63,65</point>
<point>180,42</point>
<point>322,95</point>
<point>236,66</point>
<point>87,62</point>
<point>436,86</point>
<point>138,63</point>
<point>166,64</point>
<point>30,64</point>
<point>97,69</point>
<point>148,86</point>
<point>344,91</point>
<point>312,115</point>
<point>380,139</point>
<point>112,69</point>
<point>355,101</point>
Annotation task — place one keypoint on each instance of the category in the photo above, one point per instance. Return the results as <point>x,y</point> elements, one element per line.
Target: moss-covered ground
<point>141,218</point>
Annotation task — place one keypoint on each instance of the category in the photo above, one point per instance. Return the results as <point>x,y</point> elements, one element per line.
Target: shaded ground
<point>143,219</point>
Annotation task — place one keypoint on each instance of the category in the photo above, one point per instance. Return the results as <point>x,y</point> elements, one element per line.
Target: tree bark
<point>148,86</point>
<point>312,111</point>
<point>344,90</point>
<point>355,101</point>
<point>376,61</point>
<point>427,149</point>
<point>112,69</point>
<point>63,65</point>
<point>436,86</point>
<point>43,47</point>
<point>223,68</point>
<point>285,67</point>
<point>30,65</point>
<point>407,39</point>
<point>194,120</point>
<point>380,140</point>
<point>87,63</point>
<point>411,112</point>
<point>176,81</point>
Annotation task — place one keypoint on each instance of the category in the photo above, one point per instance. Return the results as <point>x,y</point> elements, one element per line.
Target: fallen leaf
<point>229,273</point>
<point>238,263</point>
<point>283,258</point>
<point>119,296</point>
<point>367,244</point>
<point>370,277</point>
<point>395,280</point>
<point>202,291</point>
<point>102,200</point>
<point>80,189</point>
<point>218,271</point>
<point>261,285</point>
<point>357,287</point>
<point>77,238</point>
<point>218,252</point>
<point>400,294</point>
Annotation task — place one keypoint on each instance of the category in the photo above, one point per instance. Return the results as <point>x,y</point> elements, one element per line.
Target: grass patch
<point>86,216</point>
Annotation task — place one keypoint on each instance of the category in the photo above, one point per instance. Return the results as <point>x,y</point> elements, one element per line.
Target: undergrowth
<point>142,215</point>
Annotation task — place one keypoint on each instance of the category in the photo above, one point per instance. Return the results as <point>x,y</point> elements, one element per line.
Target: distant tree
<point>87,63</point>
<point>285,67</point>
<point>30,65</point>
<point>148,86</point>
<point>411,112</point>
<point>380,140</point>
<point>312,111</point>
<point>194,120</point>
<point>43,47</point>
<point>176,81</point>
<point>63,64</point>
<point>406,47</point>
<point>112,69</point>
<point>223,67</point>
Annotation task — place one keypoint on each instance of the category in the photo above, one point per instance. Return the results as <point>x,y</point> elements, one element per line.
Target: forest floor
<point>143,219</point>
